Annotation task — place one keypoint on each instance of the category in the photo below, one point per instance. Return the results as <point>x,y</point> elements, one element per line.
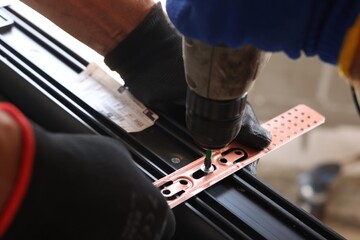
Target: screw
<point>207,167</point>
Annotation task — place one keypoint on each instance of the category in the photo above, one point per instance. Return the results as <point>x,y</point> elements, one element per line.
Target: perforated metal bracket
<point>190,180</point>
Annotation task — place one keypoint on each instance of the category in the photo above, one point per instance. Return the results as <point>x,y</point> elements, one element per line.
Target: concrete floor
<point>285,83</point>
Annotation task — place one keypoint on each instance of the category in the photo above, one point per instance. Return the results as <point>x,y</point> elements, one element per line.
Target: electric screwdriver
<point>218,80</point>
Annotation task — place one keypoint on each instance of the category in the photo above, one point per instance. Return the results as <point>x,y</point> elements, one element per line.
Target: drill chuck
<point>218,80</point>
<point>213,123</point>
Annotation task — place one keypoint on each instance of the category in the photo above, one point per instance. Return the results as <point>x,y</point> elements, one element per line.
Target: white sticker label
<point>106,95</point>
<point>4,3</point>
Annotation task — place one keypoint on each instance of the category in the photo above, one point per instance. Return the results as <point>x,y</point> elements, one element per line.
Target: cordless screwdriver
<point>218,80</point>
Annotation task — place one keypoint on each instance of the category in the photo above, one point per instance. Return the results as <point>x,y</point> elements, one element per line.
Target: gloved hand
<point>39,170</point>
<point>150,62</point>
<point>317,27</point>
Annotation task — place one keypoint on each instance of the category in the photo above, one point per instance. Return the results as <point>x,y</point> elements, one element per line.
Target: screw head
<point>175,160</point>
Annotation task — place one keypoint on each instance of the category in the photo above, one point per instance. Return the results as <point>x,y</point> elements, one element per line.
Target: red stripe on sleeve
<point>25,169</point>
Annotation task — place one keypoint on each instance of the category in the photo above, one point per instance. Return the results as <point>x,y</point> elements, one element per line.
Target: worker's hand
<point>63,177</point>
<point>315,27</point>
<point>251,133</point>
<point>10,150</point>
<point>155,74</point>
<point>151,64</point>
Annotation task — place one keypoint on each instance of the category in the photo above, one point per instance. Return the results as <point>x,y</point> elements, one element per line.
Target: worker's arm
<point>321,27</point>
<point>99,24</point>
<point>68,186</point>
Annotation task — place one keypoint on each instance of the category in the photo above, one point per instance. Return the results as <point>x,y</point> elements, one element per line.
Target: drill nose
<point>213,124</point>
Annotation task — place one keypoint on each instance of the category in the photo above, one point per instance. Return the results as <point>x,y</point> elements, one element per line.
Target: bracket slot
<point>188,181</point>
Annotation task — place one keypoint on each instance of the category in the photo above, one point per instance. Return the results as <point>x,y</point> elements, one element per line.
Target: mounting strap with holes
<point>190,180</point>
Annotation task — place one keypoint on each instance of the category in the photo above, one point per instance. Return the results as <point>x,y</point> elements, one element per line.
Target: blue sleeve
<point>316,27</point>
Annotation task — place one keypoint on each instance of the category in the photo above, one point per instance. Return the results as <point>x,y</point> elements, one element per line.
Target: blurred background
<point>320,171</point>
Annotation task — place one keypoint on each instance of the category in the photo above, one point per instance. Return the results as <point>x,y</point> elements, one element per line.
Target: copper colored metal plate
<point>190,180</point>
